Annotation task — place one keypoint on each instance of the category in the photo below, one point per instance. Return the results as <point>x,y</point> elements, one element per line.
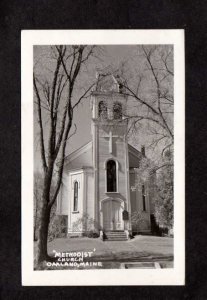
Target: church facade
<point>101,190</point>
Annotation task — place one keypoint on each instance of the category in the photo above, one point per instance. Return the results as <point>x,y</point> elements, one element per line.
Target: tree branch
<point>84,95</point>
<point>42,147</point>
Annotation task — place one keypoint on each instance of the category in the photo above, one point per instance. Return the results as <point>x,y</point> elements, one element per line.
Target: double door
<point>112,215</point>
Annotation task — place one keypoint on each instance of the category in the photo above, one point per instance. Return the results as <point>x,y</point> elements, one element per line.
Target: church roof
<point>134,151</point>
<point>134,157</point>
<point>108,81</point>
<point>82,157</point>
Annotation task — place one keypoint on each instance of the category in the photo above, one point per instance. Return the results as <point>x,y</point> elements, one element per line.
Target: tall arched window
<point>143,198</point>
<point>117,110</point>
<point>111,176</point>
<point>75,198</point>
<point>102,109</point>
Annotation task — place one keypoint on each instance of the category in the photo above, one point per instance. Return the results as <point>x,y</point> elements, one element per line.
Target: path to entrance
<point>141,247</point>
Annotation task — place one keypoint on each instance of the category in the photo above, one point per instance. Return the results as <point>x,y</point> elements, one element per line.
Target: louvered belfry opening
<point>117,111</point>
<point>102,110</point>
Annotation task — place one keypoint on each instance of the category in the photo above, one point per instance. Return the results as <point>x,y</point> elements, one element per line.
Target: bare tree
<point>152,91</point>
<point>55,99</point>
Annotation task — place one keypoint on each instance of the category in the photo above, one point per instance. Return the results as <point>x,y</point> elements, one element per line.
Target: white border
<point>175,276</point>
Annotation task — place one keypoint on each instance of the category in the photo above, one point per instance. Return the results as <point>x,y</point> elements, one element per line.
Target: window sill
<point>75,212</point>
<point>112,192</point>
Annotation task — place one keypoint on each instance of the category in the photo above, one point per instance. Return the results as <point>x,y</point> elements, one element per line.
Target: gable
<point>80,158</point>
<point>107,84</point>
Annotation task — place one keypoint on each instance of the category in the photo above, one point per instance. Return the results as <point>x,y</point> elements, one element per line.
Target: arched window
<point>75,198</point>
<point>102,109</point>
<point>111,176</point>
<point>143,198</point>
<point>117,110</point>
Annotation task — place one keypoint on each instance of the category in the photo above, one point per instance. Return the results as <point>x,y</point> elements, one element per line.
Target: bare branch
<point>90,52</point>
<point>166,147</point>
<point>42,106</point>
<point>148,57</point>
<point>166,65</point>
<point>63,63</point>
<point>42,147</point>
<point>74,132</point>
<point>132,94</point>
<point>83,96</point>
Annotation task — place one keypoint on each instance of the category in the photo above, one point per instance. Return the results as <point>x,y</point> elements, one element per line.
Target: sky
<point>112,55</point>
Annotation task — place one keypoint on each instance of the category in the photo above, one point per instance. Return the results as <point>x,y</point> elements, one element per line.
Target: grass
<point>112,253</point>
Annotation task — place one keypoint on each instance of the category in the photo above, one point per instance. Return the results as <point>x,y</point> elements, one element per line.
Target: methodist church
<point>101,179</point>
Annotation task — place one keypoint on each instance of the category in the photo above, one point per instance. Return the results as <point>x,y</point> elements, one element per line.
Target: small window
<point>117,110</point>
<point>75,203</point>
<point>102,109</point>
<point>111,176</point>
<point>143,198</point>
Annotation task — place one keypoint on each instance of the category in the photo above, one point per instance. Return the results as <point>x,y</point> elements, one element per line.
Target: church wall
<point>152,192</point>
<point>118,155</point>
<point>137,204</point>
<point>90,194</point>
<point>132,193</point>
<point>74,223</point>
<point>62,202</point>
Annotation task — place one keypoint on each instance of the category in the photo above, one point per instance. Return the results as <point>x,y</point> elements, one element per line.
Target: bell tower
<point>110,152</point>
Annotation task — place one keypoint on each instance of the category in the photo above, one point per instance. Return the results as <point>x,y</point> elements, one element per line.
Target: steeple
<point>108,99</point>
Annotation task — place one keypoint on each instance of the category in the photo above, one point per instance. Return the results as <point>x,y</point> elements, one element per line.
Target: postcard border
<point>175,276</point>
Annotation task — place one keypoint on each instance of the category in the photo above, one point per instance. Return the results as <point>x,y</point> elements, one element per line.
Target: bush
<point>57,227</point>
<point>87,225</point>
<point>93,235</point>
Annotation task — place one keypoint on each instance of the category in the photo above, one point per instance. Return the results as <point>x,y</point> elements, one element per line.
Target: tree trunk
<point>42,254</point>
<point>35,219</point>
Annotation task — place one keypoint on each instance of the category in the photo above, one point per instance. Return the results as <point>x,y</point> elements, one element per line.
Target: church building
<point>101,190</point>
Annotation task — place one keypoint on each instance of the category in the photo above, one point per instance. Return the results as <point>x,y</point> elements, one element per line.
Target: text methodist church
<point>99,180</point>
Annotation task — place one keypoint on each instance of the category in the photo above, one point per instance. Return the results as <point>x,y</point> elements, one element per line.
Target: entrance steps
<point>120,235</point>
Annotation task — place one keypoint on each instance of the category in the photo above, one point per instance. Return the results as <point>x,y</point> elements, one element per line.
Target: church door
<point>112,215</point>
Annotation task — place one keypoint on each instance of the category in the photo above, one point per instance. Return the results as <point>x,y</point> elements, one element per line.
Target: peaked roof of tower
<point>109,80</point>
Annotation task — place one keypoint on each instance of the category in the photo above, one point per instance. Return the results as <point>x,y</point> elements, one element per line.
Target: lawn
<point>112,253</point>
<point>140,244</point>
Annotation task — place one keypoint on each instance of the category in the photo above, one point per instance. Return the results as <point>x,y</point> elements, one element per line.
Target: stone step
<point>114,231</point>
<point>116,240</point>
<point>112,235</point>
<point>116,236</point>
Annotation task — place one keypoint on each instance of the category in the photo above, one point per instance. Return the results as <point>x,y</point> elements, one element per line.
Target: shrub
<point>57,227</point>
<point>87,225</point>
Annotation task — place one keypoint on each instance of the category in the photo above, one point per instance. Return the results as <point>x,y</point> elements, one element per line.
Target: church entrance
<point>112,215</point>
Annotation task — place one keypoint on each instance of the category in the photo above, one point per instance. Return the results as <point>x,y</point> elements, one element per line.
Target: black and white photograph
<point>103,157</point>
